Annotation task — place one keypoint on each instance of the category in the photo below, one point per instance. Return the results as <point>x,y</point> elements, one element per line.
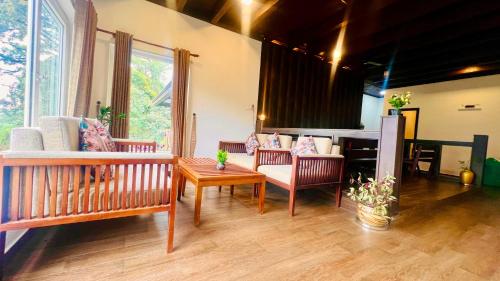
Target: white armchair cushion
<point>285,141</point>
<point>60,133</point>
<point>262,138</point>
<point>23,139</point>
<point>335,150</point>
<point>241,159</point>
<point>323,145</point>
<point>282,173</point>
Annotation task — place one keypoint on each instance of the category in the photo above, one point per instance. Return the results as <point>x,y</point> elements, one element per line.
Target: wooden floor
<point>458,239</point>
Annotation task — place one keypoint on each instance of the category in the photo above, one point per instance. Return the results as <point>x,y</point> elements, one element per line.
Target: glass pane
<point>150,99</point>
<point>13,33</point>
<point>50,62</point>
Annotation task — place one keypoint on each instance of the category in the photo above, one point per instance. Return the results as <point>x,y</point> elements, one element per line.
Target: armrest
<point>317,169</point>
<point>127,145</point>
<point>272,157</point>
<point>83,155</point>
<point>233,146</point>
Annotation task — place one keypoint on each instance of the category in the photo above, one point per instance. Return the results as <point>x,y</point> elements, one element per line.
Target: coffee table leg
<point>197,204</point>
<point>232,189</point>
<point>262,195</point>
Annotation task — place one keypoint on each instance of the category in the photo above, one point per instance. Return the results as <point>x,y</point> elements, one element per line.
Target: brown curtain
<point>297,91</point>
<point>82,58</point>
<point>180,87</point>
<point>120,99</point>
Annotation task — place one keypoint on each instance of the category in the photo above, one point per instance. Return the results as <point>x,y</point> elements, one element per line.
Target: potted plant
<point>221,159</point>
<point>398,102</point>
<point>466,175</point>
<point>105,116</point>
<point>373,200</point>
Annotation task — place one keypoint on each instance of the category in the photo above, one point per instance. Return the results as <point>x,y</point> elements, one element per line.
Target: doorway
<point>411,128</point>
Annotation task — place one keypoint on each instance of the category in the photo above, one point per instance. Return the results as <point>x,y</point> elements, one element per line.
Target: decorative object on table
<point>373,200</point>
<point>304,146</point>
<point>251,144</point>
<point>272,141</point>
<point>466,175</point>
<point>105,116</point>
<point>398,102</point>
<point>221,159</point>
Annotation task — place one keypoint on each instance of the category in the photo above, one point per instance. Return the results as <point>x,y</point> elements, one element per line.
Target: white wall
<point>440,118</point>
<point>224,79</point>
<point>371,112</point>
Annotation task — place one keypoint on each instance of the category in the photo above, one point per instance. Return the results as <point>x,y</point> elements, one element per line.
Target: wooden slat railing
<point>135,146</point>
<point>232,147</point>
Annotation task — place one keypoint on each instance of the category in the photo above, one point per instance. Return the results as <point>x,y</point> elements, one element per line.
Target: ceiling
<point>394,43</point>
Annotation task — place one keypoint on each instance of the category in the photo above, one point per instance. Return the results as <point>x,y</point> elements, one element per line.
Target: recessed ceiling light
<point>246,2</point>
<point>471,69</point>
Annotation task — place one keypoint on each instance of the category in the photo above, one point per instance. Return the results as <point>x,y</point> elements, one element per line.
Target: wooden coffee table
<point>202,173</point>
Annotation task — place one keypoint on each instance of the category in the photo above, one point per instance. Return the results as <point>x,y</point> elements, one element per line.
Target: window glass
<point>150,98</point>
<point>13,43</point>
<point>50,62</point>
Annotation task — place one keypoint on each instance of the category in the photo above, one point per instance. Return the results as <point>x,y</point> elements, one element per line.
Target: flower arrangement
<point>399,101</point>
<point>373,194</point>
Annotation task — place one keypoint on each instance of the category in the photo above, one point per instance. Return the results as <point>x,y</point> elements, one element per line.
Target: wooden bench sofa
<point>44,181</point>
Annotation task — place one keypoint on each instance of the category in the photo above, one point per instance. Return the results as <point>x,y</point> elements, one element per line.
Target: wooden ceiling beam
<point>222,11</point>
<point>262,11</point>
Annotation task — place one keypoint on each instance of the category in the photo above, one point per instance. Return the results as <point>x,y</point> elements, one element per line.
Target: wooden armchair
<point>233,146</point>
<point>300,172</point>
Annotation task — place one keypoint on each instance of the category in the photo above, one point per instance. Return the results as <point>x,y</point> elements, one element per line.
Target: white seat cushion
<point>261,138</point>
<point>285,141</point>
<point>26,139</point>
<point>241,159</point>
<point>282,173</point>
<point>60,132</point>
<point>335,150</point>
<point>323,145</point>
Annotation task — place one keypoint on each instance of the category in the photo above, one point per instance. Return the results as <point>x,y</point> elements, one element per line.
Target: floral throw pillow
<point>304,146</point>
<point>251,144</point>
<point>95,137</point>
<point>273,141</point>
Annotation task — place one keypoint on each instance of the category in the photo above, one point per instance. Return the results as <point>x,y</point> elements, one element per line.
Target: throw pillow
<point>272,141</point>
<point>95,137</point>
<point>251,144</point>
<point>304,146</point>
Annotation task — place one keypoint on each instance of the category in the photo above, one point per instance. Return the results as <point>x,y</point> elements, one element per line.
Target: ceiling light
<point>470,69</point>
<point>337,54</point>
<point>246,2</point>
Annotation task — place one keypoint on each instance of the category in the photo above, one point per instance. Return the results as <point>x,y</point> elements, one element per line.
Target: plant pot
<point>466,177</point>
<point>369,219</point>
<point>220,166</point>
<point>394,111</point>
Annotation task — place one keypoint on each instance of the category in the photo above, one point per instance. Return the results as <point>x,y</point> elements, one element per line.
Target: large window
<point>33,62</point>
<point>150,97</point>
<point>13,35</point>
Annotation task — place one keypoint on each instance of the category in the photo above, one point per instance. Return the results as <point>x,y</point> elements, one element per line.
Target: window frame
<point>33,55</point>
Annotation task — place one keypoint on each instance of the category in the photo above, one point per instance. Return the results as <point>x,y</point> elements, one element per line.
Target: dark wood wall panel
<point>297,91</point>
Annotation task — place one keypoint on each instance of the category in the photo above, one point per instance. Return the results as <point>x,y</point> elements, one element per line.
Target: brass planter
<point>368,218</point>
<point>467,177</point>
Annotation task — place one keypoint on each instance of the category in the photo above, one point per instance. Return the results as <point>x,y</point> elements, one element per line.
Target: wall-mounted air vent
<point>469,107</point>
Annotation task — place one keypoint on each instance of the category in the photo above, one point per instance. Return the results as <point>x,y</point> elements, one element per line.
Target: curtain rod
<point>142,41</point>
